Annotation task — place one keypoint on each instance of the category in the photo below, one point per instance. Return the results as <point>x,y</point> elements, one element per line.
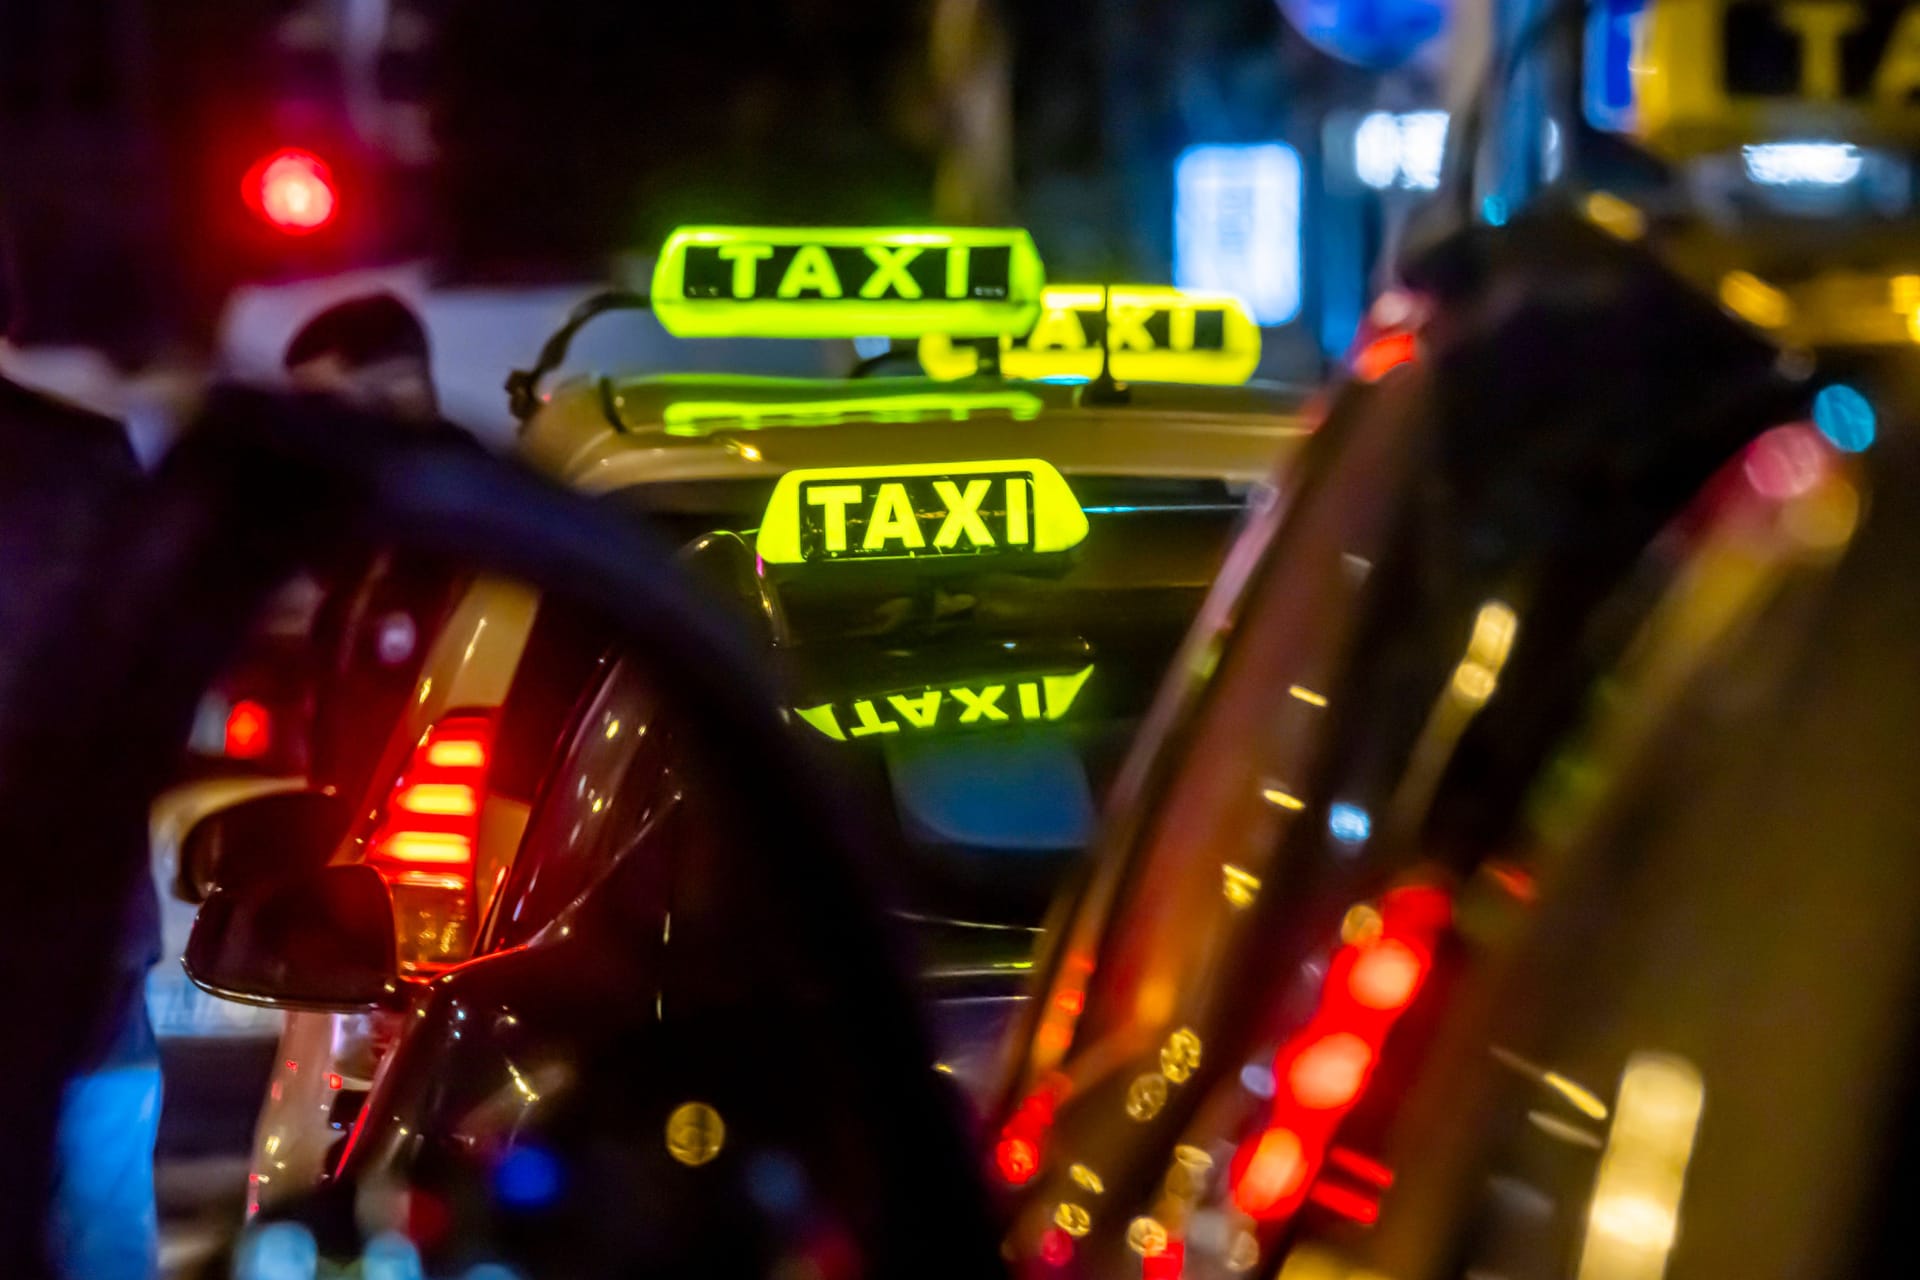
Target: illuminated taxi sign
<point>1020,507</point>
<point>984,703</point>
<point>703,417</point>
<point>1158,334</point>
<point>1710,73</point>
<point>842,282</point>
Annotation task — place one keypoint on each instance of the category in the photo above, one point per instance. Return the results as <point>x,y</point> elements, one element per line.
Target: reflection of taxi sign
<point>985,703</point>
<point>1019,507</point>
<point>1712,73</point>
<point>703,417</point>
<point>1158,334</point>
<point>839,282</point>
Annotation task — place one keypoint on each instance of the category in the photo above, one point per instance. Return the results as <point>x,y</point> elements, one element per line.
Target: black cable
<point>523,385</point>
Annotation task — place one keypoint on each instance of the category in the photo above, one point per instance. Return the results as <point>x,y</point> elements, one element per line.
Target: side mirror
<point>319,938</point>
<point>259,840</point>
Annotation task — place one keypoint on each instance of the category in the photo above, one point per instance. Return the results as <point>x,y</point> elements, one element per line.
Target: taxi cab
<point>970,582</point>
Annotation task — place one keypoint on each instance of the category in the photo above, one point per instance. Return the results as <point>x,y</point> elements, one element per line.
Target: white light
<point>1423,144</point>
<point>1376,149</point>
<point>1236,221</point>
<point>1810,164</point>
<point>1400,149</point>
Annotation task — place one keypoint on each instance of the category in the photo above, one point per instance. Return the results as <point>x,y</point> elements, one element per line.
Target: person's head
<point>370,352</point>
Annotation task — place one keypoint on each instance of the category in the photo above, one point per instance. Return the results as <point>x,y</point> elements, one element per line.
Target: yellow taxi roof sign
<point>1707,74</point>
<point>1019,506</point>
<point>1157,334</point>
<point>846,282</point>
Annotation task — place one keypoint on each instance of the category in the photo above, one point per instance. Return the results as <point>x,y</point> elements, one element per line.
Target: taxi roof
<point>609,434</point>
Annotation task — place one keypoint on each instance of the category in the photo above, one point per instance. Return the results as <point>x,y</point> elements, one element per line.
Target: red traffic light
<point>292,190</point>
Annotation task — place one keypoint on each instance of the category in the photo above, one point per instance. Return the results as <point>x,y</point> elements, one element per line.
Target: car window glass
<point>1253,738</point>
<point>617,776</point>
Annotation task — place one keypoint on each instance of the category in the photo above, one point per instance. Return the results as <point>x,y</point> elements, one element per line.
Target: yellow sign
<point>703,417</point>
<point>997,700</point>
<point>941,509</point>
<point>1157,334</point>
<point>844,282</point>
<point>1713,73</point>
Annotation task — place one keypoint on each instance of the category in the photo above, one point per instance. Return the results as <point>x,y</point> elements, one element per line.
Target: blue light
<point>1380,34</point>
<point>527,1178</point>
<point>391,1256</point>
<point>777,1183</point>
<point>277,1251</point>
<point>1844,417</point>
<point>1236,225</point>
<point>1348,823</point>
<point>1494,210</point>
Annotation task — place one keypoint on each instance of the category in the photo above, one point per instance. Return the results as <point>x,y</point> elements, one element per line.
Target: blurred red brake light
<point>249,730</point>
<point>431,822</point>
<point>1322,1072</point>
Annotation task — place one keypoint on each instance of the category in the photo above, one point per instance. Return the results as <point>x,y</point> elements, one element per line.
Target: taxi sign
<point>845,282</point>
<point>992,701</point>
<point>1157,334</point>
<point>1712,73</point>
<point>958,509</point>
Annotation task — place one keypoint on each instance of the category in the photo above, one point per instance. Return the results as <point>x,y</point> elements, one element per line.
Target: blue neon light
<point>527,1178</point>
<point>1845,417</point>
<point>1236,225</point>
<point>1348,823</point>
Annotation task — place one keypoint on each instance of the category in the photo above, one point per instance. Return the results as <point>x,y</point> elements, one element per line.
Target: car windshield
<point>983,714</point>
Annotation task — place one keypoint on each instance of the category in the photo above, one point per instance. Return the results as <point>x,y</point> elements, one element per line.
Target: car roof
<point>613,433</point>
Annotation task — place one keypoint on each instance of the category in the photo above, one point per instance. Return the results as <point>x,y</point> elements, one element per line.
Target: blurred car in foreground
<point>973,584</point>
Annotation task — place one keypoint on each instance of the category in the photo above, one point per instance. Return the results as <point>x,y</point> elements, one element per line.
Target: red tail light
<point>249,730</point>
<point>1017,1154</point>
<point>1323,1071</point>
<point>1383,355</point>
<point>431,823</point>
<point>292,190</point>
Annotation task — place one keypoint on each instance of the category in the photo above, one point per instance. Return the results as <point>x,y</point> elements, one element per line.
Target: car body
<point>1187,459</point>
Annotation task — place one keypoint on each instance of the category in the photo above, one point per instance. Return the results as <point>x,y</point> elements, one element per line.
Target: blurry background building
<point>334,144</point>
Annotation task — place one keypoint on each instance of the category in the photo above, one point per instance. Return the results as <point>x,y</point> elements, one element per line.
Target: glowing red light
<point>249,730</point>
<point>1386,975</point>
<point>1166,1264</point>
<point>334,1081</point>
<point>1274,1174</point>
<point>1362,1167</point>
<point>1324,1070</point>
<point>432,820</point>
<point>1056,1247</point>
<point>1346,1202</point>
<point>1330,1072</point>
<point>1070,1002</point>
<point>292,190</point>
<point>1018,1159</point>
<point>1383,355</point>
